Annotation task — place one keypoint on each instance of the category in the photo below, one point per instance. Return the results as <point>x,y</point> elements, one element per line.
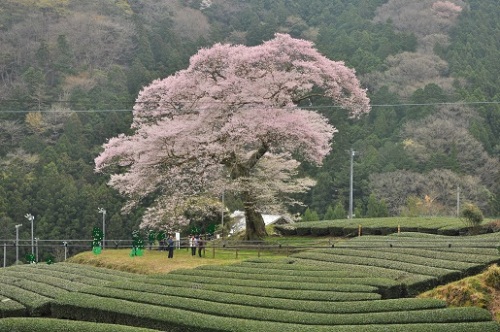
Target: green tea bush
<point>263,275</point>
<point>36,305</point>
<point>202,279</point>
<point>11,308</point>
<point>87,271</point>
<point>279,270</point>
<point>44,278</point>
<point>445,254</point>
<point>89,307</point>
<point>294,317</point>
<point>398,256</point>
<point>287,304</point>
<point>53,325</point>
<point>389,264</point>
<point>30,285</point>
<point>313,295</point>
<point>70,276</point>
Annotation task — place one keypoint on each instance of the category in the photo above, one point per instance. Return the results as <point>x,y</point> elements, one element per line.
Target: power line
<point>458,103</point>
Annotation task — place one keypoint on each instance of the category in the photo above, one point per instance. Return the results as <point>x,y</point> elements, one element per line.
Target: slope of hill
<point>359,284</point>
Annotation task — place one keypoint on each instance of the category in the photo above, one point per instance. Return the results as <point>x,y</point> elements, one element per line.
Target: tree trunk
<point>255,227</point>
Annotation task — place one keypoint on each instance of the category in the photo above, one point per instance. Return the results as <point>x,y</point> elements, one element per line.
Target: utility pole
<point>17,242</point>
<point>458,200</point>
<point>352,153</point>
<point>31,218</point>
<point>222,215</point>
<point>103,211</point>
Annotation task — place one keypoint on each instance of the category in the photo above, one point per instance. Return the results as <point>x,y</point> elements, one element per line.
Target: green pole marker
<point>97,236</point>
<point>137,244</point>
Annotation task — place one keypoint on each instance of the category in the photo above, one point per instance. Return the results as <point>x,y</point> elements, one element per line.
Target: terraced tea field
<point>362,284</point>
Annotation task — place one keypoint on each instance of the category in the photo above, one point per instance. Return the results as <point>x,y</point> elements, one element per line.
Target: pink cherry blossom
<point>232,122</point>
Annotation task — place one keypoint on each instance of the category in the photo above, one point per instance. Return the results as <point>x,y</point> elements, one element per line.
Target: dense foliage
<point>70,71</point>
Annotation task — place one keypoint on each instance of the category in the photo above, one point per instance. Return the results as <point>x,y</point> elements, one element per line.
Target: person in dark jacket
<point>201,245</point>
<point>170,244</point>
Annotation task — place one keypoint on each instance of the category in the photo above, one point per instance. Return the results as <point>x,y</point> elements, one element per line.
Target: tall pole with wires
<point>352,153</point>
<point>103,211</point>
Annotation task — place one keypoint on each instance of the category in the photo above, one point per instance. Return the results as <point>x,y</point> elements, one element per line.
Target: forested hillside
<point>70,71</point>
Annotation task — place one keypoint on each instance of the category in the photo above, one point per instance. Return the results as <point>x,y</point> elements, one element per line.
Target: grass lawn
<point>154,261</point>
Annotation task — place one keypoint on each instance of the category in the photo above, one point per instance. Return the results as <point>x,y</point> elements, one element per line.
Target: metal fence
<point>60,250</point>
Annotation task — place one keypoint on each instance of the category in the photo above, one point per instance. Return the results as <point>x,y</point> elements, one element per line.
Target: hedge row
<point>33,286</point>
<point>202,279</point>
<point>411,283</point>
<point>366,270</point>
<point>262,274</point>
<point>11,308</point>
<point>279,303</point>
<point>460,256</point>
<point>312,295</point>
<point>89,307</point>
<point>52,325</point>
<point>394,265</point>
<point>378,226</point>
<point>35,304</point>
<point>375,242</point>
<point>456,264</point>
<point>280,270</point>
<point>44,278</point>
<point>70,276</point>
<point>295,317</point>
<point>486,252</point>
<point>86,270</point>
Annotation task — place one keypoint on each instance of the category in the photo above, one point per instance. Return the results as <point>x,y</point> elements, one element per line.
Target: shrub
<point>472,215</point>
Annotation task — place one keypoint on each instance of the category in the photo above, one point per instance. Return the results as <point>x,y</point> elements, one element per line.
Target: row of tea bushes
<point>58,281</point>
<point>231,296</point>
<point>343,288</point>
<point>11,308</point>
<point>34,286</point>
<point>346,292</point>
<point>81,306</point>
<point>375,226</point>
<point>275,284</point>
<point>425,260</point>
<point>260,277</point>
<point>54,325</point>
<point>34,303</point>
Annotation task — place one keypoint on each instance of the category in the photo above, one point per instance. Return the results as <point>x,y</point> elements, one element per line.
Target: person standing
<point>201,245</point>
<point>170,244</point>
<point>192,244</point>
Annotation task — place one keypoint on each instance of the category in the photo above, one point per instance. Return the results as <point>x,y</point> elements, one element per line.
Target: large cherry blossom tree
<point>231,122</point>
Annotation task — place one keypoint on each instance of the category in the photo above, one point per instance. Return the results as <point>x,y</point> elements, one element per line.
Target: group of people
<point>195,243</point>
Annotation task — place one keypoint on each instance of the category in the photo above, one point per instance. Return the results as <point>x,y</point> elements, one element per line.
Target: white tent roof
<point>241,221</point>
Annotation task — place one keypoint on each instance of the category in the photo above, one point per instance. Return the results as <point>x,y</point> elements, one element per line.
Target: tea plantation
<point>362,284</point>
